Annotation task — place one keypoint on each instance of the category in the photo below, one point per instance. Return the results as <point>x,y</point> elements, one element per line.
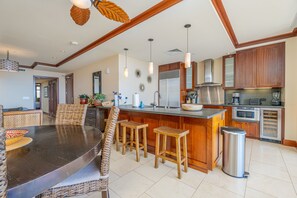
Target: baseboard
<point>290,143</point>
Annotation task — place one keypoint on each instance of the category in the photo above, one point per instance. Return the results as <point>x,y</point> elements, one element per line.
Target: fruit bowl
<point>192,107</point>
<point>14,135</point>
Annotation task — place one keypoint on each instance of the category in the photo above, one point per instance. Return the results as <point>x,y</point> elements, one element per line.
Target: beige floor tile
<point>270,170</point>
<point>251,193</point>
<point>131,185</point>
<point>275,159</point>
<point>116,155</point>
<point>123,166</point>
<point>113,176</point>
<point>143,160</point>
<point>144,196</point>
<point>220,179</point>
<point>290,156</point>
<point>294,180</point>
<point>169,187</point>
<point>192,178</point>
<point>148,170</point>
<point>292,168</point>
<point>271,186</point>
<point>207,190</point>
<point>80,196</point>
<point>99,195</point>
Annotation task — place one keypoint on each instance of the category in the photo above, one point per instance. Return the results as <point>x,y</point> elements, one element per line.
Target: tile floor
<point>272,167</point>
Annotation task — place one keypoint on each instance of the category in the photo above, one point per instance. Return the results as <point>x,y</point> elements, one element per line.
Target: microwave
<point>246,114</point>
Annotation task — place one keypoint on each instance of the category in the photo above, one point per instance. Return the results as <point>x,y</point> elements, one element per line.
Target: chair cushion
<point>89,173</point>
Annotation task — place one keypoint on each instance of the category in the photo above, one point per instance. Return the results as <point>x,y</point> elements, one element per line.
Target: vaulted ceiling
<point>41,30</point>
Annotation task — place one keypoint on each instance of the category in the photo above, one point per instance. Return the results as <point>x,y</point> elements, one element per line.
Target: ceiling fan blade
<point>79,16</point>
<point>111,11</point>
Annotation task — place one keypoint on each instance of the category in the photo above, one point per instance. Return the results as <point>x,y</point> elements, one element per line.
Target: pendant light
<point>126,65</point>
<point>83,4</point>
<point>188,54</point>
<point>9,65</point>
<point>151,64</point>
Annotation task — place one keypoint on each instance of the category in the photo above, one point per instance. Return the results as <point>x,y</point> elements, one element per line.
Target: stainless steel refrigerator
<point>169,88</point>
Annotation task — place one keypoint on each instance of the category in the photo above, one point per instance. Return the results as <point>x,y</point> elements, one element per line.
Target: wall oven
<point>246,114</point>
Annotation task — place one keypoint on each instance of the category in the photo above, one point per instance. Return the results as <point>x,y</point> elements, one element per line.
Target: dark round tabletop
<point>56,152</point>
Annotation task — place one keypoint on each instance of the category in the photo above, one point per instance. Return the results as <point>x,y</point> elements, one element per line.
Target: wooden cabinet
<point>271,65</point>
<point>95,118</point>
<point>246,69</point>
<point>228,113</point>
<point>252,128</point>
<point>260,67</point>
<point>229,71</point>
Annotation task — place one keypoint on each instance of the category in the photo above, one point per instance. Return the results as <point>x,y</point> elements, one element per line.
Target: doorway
<point>46,94</point>
<point>69,89</point>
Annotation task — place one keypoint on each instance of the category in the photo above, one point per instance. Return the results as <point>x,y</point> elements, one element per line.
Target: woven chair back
<point>71,114</point>
<point>108,139</point>
<point>3,168</point>
<point>1,116</point>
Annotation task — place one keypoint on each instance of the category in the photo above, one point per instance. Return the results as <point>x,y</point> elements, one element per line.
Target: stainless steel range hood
<point>208,74</point>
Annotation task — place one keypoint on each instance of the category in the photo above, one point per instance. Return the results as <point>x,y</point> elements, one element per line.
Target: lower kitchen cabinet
<point>252,128</point>
<point>95,118</point>
<point>228,113</point>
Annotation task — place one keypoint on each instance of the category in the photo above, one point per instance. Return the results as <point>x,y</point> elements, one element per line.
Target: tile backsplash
<point>247,94</point>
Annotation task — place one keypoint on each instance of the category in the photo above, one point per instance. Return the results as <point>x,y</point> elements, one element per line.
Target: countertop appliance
<point>276,98</point>
<point>256,101</point>
<point>236,98</point>
<point>270,124</point>
<point>246,114</point>
<point>169,88</point>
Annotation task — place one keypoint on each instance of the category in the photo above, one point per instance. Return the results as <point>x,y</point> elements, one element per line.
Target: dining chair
<point>93,177</point>
<point>71,114</point>
<point>3,169</point>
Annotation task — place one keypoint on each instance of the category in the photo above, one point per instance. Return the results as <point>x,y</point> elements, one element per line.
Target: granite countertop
<point>245,105</point>
<point>204,113</point>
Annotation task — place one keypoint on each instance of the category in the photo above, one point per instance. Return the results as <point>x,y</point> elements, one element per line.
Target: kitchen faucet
<point>155,102</point>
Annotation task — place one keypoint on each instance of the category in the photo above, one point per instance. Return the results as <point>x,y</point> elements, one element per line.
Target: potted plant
<point>83,98</point>
<point>98,99</point>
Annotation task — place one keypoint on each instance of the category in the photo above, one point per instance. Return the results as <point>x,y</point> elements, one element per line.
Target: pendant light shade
<point>188,54</point>
<point>83,4</point>
<point>9,65</point>
<point>126,73</point>
<point>151,64</point>
<point>188,60</point>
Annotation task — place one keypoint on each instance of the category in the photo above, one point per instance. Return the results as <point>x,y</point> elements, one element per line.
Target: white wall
<point>17,89</point>
<point>291,90</point>
<point>129,86</point>
<point>83,78</point>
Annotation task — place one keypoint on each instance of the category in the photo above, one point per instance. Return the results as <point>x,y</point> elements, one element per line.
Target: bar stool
<point>177,134</point>
<point>135,128</point>
<point>117,133</point>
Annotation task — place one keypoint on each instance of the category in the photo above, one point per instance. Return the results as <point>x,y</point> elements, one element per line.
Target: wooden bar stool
<point>117,133</point>
<point>135,128</point>
<point>177,134</point>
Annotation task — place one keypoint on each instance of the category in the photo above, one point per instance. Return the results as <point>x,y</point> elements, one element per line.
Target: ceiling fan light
<point>188,60</point>
<point>151,68</point>
<point>83,4</point>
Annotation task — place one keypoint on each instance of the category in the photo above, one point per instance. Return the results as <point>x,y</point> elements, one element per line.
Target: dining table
<point>55,153</point>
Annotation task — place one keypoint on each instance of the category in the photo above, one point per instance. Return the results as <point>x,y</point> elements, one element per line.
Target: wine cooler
<point>271,124</point>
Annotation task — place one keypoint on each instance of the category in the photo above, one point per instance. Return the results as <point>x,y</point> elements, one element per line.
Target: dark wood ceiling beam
<point>160,7</point>
<point>221,11</point>
<point>218,5</point>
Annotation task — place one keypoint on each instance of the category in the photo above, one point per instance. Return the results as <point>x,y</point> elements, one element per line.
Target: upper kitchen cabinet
<point>229,72</point>
<point>259,67</point>
<point>271,65</point>
<point>191,77</point>
<point>246,69</point>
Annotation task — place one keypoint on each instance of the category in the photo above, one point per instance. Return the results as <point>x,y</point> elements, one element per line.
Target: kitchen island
<point>204,139</point>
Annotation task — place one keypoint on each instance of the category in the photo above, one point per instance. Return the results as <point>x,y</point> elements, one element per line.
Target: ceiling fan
<point>80,11</point>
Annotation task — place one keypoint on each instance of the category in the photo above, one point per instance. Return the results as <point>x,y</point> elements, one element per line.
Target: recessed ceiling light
<point>74,43</point>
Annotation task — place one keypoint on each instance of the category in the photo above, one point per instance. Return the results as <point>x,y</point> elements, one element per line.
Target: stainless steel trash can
<point>234,152</point>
